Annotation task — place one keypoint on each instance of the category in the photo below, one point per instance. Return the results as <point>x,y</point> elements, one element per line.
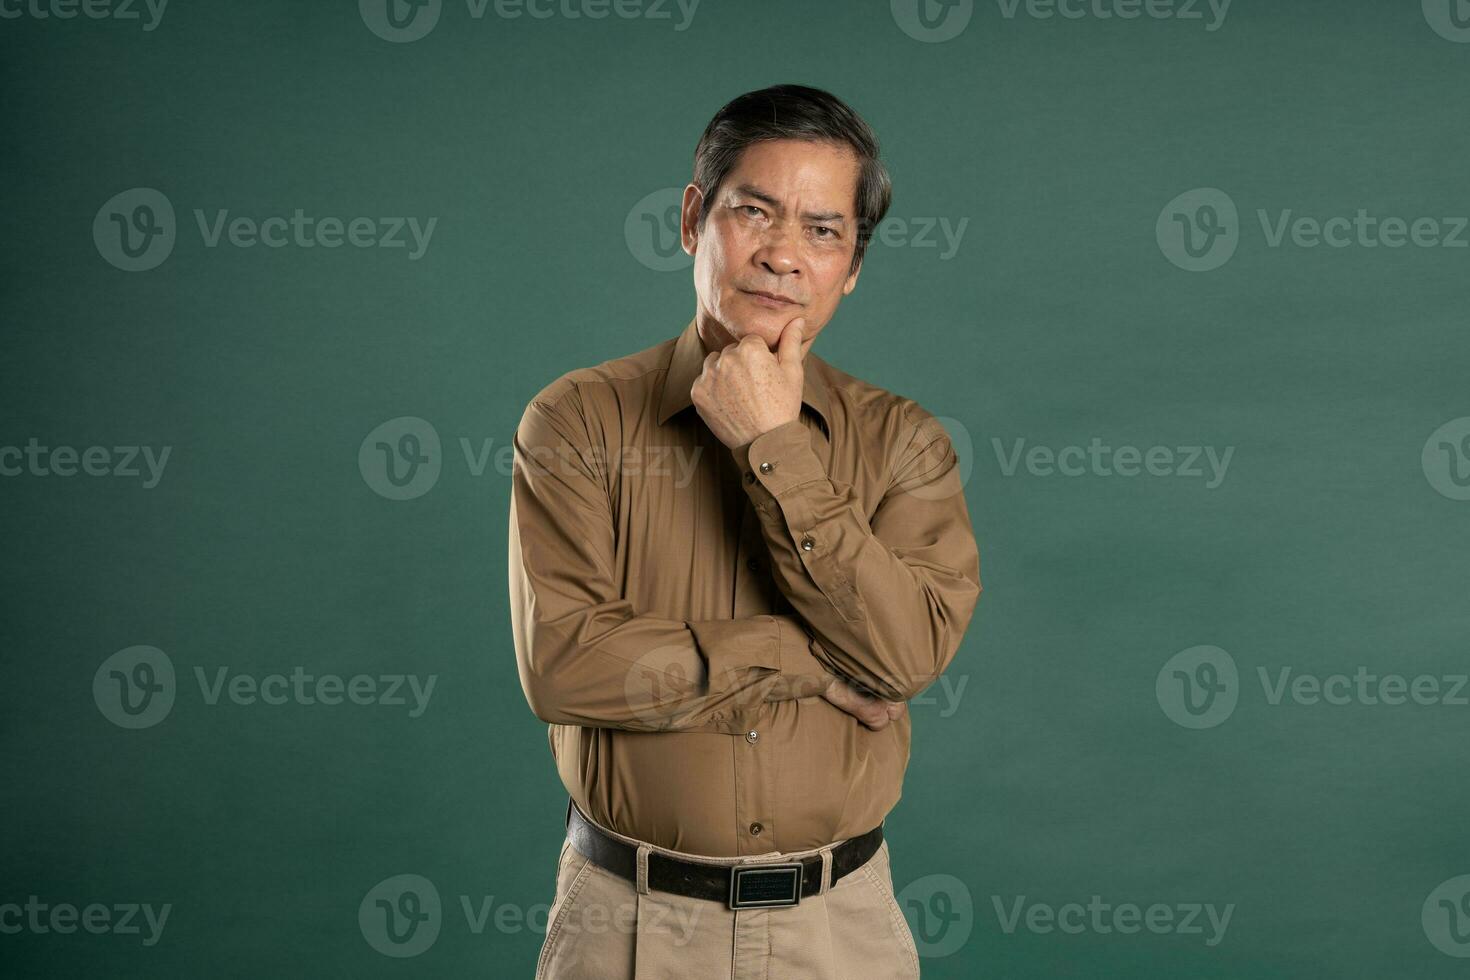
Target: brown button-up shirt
<point>678,607</point>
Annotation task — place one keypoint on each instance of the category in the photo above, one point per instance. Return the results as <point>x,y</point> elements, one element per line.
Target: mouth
<point>769,299</point>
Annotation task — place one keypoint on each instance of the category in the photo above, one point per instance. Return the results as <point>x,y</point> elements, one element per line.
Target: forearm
<point>601,664</point>
<point>888,616</point>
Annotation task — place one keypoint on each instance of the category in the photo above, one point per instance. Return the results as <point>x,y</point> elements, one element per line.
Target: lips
<point>774,297</point>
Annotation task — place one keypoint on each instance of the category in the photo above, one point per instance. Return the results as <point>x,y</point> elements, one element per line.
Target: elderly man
<point>730,565</point>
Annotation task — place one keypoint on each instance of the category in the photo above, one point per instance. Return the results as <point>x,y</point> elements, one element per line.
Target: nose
<point>778,253</point>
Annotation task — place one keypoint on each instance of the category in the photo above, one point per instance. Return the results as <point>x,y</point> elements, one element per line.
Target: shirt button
<point>767,467</point>
<point>807,544</point>
<point>753,565</point>
<point>752,736</point>
<point>750,478</point>
<point>755,829</point>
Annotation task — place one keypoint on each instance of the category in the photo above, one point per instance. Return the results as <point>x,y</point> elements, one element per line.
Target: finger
<point>749,345</point>
<point>789,349</point>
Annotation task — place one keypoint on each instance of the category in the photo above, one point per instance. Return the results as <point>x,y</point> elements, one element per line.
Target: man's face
<point>783,223</point>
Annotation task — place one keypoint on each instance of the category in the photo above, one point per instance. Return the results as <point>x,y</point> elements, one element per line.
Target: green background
<point>1056,776</point>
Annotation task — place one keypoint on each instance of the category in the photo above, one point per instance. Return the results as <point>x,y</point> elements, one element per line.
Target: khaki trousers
<point>604,927</point>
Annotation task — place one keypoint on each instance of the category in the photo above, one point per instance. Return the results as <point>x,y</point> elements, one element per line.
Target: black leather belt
<point>742,886</point>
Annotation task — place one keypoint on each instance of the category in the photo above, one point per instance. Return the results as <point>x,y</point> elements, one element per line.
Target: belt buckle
<point>761,886</point>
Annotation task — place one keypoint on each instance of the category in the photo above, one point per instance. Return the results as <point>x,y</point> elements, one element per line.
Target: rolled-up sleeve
<point>585,655</point>
<point>888,598</point>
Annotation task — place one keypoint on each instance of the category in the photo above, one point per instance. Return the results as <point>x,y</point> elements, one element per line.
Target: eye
<point>750,210</point>
<point>829,232</point>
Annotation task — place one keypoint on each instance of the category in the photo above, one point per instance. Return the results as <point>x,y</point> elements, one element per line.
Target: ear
<point>689,218</point>
<point>851,283</point>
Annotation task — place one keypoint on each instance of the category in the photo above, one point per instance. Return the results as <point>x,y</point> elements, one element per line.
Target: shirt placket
<point>756,758</point>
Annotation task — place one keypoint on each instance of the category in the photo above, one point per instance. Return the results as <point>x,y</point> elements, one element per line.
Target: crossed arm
<point>880,604</point>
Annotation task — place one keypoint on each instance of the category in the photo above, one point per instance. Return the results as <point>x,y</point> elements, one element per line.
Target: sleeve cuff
<point>802,674</point>
<point>778,461</point>
<point>731,644</point>
<point>783,646</point>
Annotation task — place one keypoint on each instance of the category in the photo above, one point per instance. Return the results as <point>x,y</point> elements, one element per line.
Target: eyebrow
<point>750,190</point>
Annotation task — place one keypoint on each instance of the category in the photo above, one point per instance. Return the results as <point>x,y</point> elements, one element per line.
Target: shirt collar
<point>688,361</point>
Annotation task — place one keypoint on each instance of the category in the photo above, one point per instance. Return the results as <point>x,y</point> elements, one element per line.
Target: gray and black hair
<point>800,113</point>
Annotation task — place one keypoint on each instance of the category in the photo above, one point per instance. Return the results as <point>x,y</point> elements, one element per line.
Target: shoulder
<point>572,390</point>
<point>629,370</point>
<point>894,421</point>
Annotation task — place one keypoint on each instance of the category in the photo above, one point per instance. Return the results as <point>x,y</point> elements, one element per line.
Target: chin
<point>766,328</point>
